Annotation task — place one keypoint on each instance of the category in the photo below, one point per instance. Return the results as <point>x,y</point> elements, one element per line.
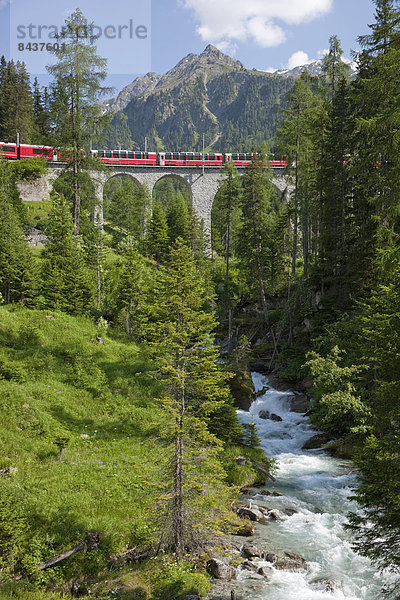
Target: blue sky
<point>262,34</point>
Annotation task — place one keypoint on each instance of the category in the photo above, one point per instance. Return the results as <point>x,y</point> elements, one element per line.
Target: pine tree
<point>131,296</point>
<point>178,219</point>
<point>41,113</point>
<point>297,141</point>
<point>333,66</point>
<point>67,284</point>
<point>156,241</point>
<point>17,273</point>
<point>376,171</point>
<point>195,391</point>
<point>16,103</point>
<point>255,232</point>
<point>76,114</point>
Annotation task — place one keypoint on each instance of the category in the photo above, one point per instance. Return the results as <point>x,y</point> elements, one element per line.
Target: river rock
<point>291,511</point>
<point>251,550</point>
<point>247,565</point>
<point>265,571</point>
<point>246,530</point>
<point>316,441</point>
<point>268,493</point>
<point>324,585</point>
<point>260,392</point>
<point>299,403</point>
<point>260,468</point>
<point>254,514</point>
<point>220,570</point>
<point>265,414</point>
<point>271,557</point>
<point>294,556</point>
<point>287,564</point>
<point>250,575</point>
<point>273,514</point>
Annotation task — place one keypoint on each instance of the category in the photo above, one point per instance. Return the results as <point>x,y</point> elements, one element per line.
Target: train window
<point>107,153</point>
<point>197,156</point>
<point>100,154</point>
<point>168,155</point>
<point>138,155</point>
<point>131,154</point>
<point>8,148</point>
<point>122,154</point>
<point>183,156</point>
<point>242,157</point>
<point>189,156</point>
<point>40,151</point>
<point>175,155</point>
<point>235,157</point>
<point>115,154</point>
<point>145,155</point>
<point>211,157</point>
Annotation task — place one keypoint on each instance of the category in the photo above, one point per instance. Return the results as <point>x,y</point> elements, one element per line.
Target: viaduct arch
<point>204,187</point>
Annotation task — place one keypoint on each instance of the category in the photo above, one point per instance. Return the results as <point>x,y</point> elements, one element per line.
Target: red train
<point>138,158</point>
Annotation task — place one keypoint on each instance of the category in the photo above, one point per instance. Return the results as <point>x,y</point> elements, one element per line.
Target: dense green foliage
<point>147,417</point>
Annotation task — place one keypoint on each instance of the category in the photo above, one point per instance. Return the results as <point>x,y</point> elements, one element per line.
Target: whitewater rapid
<point>316,489</point>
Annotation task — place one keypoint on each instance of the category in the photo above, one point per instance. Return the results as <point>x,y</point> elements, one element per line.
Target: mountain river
<point>313,506</point>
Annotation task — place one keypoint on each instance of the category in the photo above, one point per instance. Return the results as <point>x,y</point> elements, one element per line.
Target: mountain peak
<point>213,50</point>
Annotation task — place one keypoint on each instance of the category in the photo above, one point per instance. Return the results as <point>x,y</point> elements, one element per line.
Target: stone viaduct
<point>203,187</point>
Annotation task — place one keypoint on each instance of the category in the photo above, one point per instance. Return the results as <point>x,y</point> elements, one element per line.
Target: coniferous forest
<point>126,345</point>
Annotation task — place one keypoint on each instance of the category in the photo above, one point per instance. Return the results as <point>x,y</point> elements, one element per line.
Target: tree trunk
<point>178,503</point>
<point>296,197</point>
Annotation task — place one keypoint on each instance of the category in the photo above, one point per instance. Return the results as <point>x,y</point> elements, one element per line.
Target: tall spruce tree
<point>77,117</point>
<point>195,396</point>
<point>67,284</point>
<point>17,272</point>
<point>156,241</point>
<point>16,103</point>
<point>256,232</point>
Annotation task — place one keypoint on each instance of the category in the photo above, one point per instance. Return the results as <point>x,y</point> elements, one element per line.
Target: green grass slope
<point>78,439</point>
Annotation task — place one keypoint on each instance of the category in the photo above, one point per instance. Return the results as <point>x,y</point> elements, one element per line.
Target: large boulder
<point>265,571</point>
<point>220,570</point>
<point>288,564</point>
<point>242,389</point>
<point>271,557</point>
<point>251,550</point>
<point>299,403</point>
<point>317,441</point>
<point>254,514</point>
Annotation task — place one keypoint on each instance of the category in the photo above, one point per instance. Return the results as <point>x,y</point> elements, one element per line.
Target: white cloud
<point>227,47</point>
<point>322,53</point>
<point>261,21</point>
<point>297,59</point>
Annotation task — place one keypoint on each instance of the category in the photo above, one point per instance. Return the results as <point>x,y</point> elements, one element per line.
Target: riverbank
<point>305,553</point>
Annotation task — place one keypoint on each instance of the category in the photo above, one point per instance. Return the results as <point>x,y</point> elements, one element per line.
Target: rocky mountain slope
<point>210,93</point>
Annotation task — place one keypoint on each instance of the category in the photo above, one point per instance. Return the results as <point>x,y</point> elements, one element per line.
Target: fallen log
<point>131,555</point>
<point>91,542</point>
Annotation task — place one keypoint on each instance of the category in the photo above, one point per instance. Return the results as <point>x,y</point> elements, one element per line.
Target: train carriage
<point>137,157</point>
